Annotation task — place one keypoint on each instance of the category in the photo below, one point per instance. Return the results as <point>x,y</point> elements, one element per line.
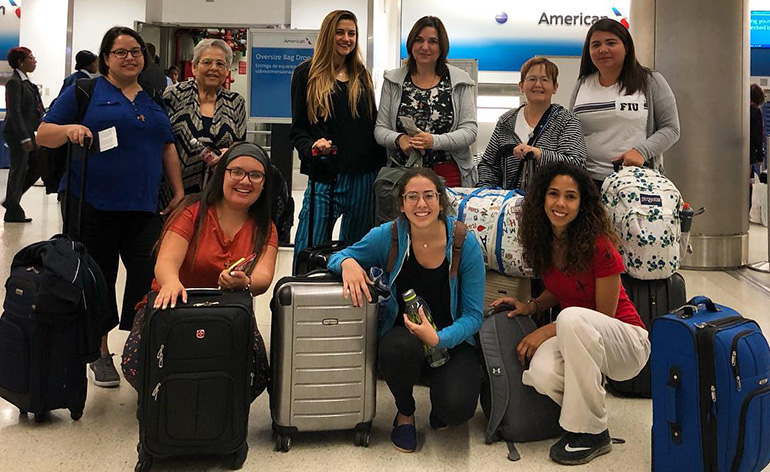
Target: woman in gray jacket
<point>438,101</point>
<point>627,111</point>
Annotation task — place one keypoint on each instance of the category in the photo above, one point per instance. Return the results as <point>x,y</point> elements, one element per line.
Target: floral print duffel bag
<point>493,216</point>
<point>644,208</point>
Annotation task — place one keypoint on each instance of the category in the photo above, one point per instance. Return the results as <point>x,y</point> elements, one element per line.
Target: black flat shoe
<point>18,220</point>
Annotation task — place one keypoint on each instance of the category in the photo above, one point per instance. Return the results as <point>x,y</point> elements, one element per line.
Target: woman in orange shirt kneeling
<point>207,234</point>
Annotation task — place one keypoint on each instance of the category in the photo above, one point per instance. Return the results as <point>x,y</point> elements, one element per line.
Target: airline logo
<point>620,18</point>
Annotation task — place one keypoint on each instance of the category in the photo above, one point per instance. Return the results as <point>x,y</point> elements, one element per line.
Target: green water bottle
<point>436,357</point>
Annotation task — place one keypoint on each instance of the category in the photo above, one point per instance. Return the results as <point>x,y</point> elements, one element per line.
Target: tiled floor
<point>105,438</point>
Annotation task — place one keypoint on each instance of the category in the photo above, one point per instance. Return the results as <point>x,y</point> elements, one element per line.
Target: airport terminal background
<point>105,438</point>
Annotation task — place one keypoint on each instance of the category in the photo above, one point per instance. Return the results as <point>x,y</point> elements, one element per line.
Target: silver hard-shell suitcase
<point>322,351</point>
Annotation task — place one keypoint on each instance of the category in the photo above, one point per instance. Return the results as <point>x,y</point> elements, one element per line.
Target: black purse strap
<point>540,127</point>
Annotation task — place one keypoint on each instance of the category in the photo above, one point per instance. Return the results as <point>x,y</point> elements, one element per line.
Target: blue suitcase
<point>710,391</point>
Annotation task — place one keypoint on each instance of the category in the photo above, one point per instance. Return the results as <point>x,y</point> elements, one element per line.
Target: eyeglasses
<point>531,79</point>
<point>122,53</point>
<point>255,176</point>
<point>210,62</point>
<point>413,197</point>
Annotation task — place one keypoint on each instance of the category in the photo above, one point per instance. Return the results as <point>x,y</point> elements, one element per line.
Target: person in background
<point>757,128</point>
<point>152,79</point>
<point>209,231</point>
<point>569,242</point>
<point>439,98</point>
<point>425,255</point>
<point>206,117</point>
<point>24,110</point>
<point>516,133</point>
<point>120,221</point>
<point>86,67</point>
<point>626,110</point>
<point>332,127</point>
<point>172,76</point>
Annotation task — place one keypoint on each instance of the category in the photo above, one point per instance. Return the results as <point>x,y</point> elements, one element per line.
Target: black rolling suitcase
<point>652,299</point>
<point>197,372</point>
<point>46,335</point>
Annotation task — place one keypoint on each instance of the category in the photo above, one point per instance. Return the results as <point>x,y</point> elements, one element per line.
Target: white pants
<point>569,367</point>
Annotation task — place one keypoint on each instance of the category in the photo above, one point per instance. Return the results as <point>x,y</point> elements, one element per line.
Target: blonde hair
<point>321,81</point>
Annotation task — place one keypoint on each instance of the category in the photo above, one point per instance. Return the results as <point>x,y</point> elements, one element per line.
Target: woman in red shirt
<point>569,242</point>
<point>210,231</point>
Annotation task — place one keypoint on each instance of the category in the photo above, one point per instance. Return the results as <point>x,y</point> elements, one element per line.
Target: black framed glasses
<point>255,176</point>
<point>123,53</point>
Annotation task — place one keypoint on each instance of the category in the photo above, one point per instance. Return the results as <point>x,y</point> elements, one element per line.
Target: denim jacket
<point>466,288</point>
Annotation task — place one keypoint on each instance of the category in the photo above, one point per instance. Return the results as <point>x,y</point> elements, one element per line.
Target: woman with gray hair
<point>206,118</point>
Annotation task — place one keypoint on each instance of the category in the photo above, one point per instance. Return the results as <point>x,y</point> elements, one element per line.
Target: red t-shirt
<point>580,289</point>
<point>215,251</point>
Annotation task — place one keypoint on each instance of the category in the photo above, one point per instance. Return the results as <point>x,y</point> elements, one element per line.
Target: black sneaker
<point>580,448</point>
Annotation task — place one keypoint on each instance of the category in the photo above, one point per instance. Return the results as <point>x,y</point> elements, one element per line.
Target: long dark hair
<point>412,172</point>
<point>633,76</point>
<point>443,43</point>
<point>259,211</point>
<point>109,40</point>
<point>536,234</point>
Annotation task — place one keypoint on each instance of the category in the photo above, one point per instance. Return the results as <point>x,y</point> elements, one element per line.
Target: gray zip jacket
<point>456,142</point>
<point>662,120</point>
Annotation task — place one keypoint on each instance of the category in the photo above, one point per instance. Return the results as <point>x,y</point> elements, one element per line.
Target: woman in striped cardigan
<point>204,115</point>
<point>520,132</point>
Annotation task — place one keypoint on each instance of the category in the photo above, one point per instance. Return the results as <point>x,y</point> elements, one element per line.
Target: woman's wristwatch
<point>537,305</point>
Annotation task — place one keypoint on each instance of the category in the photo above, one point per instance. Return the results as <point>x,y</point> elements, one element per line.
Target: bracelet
<point>537,305</point>
<point>248,285</point>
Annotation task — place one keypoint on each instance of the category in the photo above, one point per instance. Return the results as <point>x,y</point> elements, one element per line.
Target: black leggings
<point>454,387</point>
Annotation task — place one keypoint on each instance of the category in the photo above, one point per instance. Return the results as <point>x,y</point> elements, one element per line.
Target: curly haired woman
<point>569,242</point>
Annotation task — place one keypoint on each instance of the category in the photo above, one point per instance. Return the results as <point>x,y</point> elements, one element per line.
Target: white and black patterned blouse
<point>431,109</point>
<point>228,125</point>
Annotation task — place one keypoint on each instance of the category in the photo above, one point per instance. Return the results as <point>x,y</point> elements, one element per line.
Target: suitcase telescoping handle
<point>689,309</point>
<point>66,212</point>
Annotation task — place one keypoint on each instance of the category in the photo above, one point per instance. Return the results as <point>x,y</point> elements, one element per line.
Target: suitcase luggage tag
<point>692,307</point>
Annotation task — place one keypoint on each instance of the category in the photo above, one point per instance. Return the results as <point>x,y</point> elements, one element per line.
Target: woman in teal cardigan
<point>454,291</point>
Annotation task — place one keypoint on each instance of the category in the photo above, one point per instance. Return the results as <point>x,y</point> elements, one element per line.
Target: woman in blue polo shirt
<point>134,144</point>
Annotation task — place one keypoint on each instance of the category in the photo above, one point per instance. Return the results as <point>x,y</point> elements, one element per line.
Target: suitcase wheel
<point>143,466</point>
<point>282,442</point>
<point>240,457</point>
<point>40,417</point>
<point>362,439</point>
<point>76,414</point>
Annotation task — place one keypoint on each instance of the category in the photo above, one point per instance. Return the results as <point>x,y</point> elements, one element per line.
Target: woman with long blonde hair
<point>332,128</point>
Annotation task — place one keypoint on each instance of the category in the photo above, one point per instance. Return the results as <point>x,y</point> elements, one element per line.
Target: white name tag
<point>108,139</point>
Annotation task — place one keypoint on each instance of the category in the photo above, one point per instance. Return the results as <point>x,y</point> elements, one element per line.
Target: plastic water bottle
<point>436,357</point>
<point>686,217</point>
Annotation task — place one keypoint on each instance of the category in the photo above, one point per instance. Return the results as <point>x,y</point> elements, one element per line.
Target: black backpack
<point>516,412</point>
<point>52,161</point>
<point>281,206</point>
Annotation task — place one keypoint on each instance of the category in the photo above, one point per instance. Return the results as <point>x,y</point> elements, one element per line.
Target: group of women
<point>619,110</point>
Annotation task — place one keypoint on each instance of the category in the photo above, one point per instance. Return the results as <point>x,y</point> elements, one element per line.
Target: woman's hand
<point>403,143</point>
<point>632,158</point>
<point>78,134</point>
<point>168,295</point>
<point>172,204</point>
<point>527,347</point>
<point>355,282</point>
<point>421,141</point>
<point>233,280</point>
<point>324,146</point>
<point>423,331</point>
<point>523,149</point>
<point>521,308</point>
